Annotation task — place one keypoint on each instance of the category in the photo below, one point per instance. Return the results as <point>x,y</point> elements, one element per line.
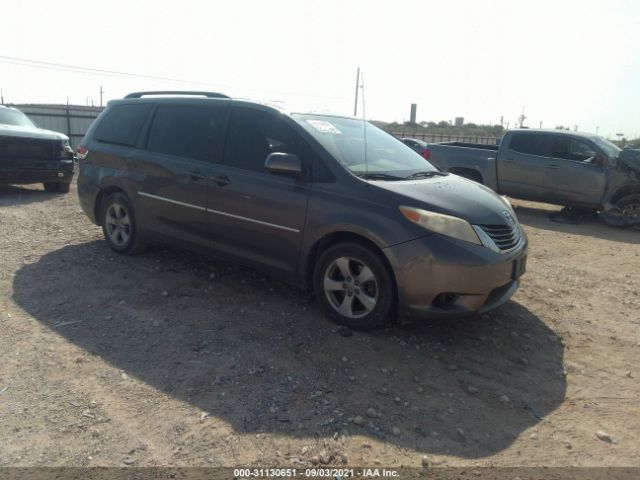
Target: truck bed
<point>471,160</point>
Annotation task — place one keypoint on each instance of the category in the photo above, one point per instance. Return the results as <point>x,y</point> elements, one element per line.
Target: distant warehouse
<point>73,120</point>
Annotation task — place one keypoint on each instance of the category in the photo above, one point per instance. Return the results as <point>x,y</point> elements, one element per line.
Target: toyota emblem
<point>510,220</point>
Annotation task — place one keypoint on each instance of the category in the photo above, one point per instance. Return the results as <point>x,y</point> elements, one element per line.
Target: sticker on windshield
<point>324,127</point>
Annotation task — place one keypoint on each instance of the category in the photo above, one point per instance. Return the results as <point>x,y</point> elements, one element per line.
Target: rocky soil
<point>169,358</point>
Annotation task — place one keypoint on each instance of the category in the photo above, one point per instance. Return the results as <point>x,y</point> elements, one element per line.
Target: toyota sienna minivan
<point>331,203</point>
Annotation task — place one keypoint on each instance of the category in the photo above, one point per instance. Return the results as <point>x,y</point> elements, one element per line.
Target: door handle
<point>196,175</point>
<point>553,167</point>
<point>222,180</point>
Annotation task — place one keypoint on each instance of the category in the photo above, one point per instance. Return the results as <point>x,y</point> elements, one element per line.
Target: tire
<point>628,212</point>
<point>57,187</point>
<point>119,225</point>
<point>354,286</point>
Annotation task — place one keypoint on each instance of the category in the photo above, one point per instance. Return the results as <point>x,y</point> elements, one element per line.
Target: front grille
<point>14,148</point>
<point>504,236</point>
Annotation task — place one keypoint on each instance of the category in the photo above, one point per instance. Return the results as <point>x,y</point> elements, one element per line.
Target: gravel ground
<point>168,358</point>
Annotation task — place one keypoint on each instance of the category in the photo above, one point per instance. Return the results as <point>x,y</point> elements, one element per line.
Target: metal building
<point>72,120</point>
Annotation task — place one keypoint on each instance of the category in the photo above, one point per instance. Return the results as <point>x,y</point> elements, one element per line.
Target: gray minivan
<point>326,202</point>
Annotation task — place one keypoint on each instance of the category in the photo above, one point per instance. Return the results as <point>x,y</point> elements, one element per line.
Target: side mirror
<point>283,164</point>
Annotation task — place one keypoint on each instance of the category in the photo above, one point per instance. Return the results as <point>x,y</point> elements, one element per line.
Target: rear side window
<point>186,131</point>
<point>532,144</point>
<point>253,135</point>
<point>121,124</point>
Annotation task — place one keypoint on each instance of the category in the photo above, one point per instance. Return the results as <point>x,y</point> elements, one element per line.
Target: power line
<point>98,71</point>
<point>28,62</point>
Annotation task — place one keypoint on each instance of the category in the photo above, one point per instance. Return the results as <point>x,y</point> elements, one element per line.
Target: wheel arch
<point>333,238</point>
<point>624,191</point>
<point>100,198</point>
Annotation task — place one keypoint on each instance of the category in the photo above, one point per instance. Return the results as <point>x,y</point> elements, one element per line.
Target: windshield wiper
<point>428,174</point>
<point>379,176</point>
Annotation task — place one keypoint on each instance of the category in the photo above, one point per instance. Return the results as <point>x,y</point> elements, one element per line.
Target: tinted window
<point>569,148</point>
<point>253,135</point>
<point>531,144</point>
<point>186,131</point>
<point>121,124</point>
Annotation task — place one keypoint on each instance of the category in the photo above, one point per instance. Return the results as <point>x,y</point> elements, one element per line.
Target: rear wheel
<point>119,225</point>
<point>57,187</point>
<point>354,287</point>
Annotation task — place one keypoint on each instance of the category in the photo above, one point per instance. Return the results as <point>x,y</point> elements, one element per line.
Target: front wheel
<point>626,212</point>
<point>119,225</point>
<point>354,286</point>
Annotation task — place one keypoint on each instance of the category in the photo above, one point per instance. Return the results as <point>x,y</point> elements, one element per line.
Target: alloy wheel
<point>351,287</point>
<point>118,223</point>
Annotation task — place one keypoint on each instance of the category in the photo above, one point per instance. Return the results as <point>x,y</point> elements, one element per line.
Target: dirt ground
<point>169,358</point>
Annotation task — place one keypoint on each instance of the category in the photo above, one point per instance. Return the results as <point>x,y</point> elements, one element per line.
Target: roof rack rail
<point>177,92</point>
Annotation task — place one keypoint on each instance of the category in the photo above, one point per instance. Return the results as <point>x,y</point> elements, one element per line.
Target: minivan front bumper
<point>442,277</point>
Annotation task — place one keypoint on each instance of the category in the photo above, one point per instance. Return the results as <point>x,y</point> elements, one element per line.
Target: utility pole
<point>355,106</point>
<point>597,129</point>
<point>1,97</point>
<point>101,92</point>
<point>522,118</point>
<point>68,115</point>
<point>540,123</point>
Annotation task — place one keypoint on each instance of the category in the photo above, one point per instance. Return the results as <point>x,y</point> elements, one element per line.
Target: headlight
<point>445,224</point>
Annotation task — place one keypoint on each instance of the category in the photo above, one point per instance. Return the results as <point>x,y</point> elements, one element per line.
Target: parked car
<point>370,226</point>
<point>29,154</point>
<point>552,166</point>
<point>419,146</point>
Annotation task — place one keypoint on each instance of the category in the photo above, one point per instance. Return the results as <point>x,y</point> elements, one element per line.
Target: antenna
<point>355,105</point>
<point>364,124</point>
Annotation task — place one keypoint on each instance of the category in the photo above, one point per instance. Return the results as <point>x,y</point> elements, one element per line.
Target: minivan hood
<point>451,195</point>
<point>30,132</point>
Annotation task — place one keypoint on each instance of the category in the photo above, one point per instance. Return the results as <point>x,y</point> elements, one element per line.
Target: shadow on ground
<point>259,355</point>
<point>587,225</point>
<point>11,195</point>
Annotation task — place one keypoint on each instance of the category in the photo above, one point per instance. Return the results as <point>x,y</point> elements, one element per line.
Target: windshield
<point>344,138</point>
<point>611,150</point>
<point>14,117</point>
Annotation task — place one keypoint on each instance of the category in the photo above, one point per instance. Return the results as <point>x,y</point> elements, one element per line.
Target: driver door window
<point>253,135</point>
<point>568,148</point>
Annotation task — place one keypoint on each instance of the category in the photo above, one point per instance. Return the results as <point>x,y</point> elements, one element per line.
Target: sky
<point>561,62</point>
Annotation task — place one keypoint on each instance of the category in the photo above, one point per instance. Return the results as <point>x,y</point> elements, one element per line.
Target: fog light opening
<point>445,299</point>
